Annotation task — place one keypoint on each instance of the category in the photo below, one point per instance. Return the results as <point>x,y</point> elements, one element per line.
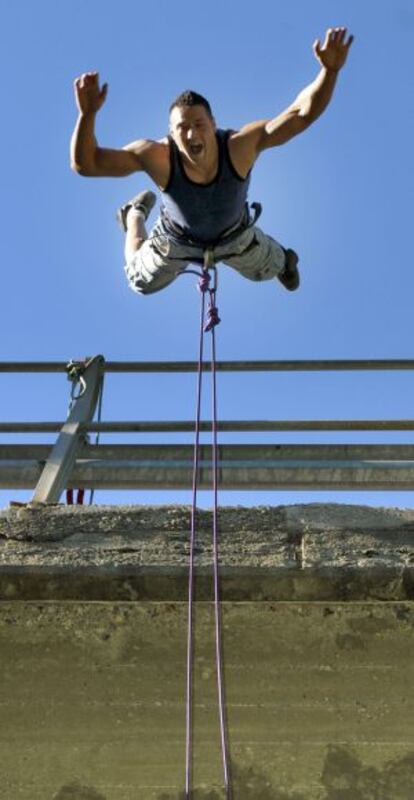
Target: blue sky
<point>341,194</point>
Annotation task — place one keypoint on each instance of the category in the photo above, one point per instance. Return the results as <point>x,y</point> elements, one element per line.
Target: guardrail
<point>72,462</point>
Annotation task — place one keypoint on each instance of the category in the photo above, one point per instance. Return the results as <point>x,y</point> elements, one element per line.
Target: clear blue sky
<point>341,194</point>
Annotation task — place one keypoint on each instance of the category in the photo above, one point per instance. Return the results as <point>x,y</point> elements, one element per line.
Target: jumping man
<point>203,174</point>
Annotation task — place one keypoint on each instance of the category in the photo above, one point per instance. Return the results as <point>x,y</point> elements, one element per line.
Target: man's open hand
<point>89,97</point>
<point>333,53</point>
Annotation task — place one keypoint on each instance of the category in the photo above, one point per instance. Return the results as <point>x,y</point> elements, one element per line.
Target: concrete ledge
<point>319,697</point>
<point>313,552</point>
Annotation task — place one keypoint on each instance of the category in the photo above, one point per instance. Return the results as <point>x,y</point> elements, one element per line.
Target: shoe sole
<point>290,277</point>
<point>144,201</point>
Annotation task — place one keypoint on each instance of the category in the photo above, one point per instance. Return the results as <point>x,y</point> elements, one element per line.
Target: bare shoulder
<point>153,156</point>
<point>252,139</point>
<point>249,132</point>
<point>245,146</point>
<point>147,147</point>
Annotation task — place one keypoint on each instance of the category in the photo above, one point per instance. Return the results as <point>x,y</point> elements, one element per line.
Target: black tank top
<point>203,212</point>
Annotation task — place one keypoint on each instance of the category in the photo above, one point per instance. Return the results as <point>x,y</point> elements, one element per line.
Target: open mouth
<point>195,149</point>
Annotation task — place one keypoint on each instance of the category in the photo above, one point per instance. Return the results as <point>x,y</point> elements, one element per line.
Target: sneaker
<point>144,201</point>
<point>290,276</point>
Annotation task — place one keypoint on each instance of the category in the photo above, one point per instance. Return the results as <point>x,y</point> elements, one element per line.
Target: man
<point>203,175</point>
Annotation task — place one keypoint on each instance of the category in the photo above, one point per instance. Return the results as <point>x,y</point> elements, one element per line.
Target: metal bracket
<point>59,465</point>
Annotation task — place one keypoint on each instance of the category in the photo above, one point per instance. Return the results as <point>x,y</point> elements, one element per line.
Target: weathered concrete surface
<point>319,700</point>
<point>318,632</point>
<point>313,552</point>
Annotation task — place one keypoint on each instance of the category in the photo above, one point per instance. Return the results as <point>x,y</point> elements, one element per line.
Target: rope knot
<point>204,281</point>
<point>213,318</point>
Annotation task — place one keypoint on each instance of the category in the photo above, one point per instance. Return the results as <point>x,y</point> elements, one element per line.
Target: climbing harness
<point>174,232</point>
<point>208,321</point>
<point>75,372</point>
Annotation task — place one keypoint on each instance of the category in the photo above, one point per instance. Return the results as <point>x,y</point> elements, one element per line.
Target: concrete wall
<point>318,623</point>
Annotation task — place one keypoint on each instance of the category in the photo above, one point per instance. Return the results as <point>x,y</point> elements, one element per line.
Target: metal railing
<point>72,461</point>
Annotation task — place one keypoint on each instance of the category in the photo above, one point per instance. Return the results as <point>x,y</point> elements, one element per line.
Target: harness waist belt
<point>178,235</point>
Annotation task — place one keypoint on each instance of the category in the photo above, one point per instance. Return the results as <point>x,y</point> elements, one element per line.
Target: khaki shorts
<point>157,263</point>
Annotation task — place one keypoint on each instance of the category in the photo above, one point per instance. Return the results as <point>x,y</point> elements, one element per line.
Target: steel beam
<point>255,425</point>
<point>69,462</point>
<point>257,453</point>
<point>173,426</point>
<point>222,366</point>
<point>57,470</point>
<point>247,475</point>
<point>263,366</point>
<point>233,475</point>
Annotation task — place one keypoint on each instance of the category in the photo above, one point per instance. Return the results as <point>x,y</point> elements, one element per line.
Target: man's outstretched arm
<point>87,158</point>
<point>308,105</point>
<point>313,100</point>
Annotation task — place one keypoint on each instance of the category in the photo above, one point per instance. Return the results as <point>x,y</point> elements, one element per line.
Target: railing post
<point>58,467</point>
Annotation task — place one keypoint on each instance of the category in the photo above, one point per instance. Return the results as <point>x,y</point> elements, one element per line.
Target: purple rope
<point>217,606</point>
<point>212,320</point>
<point>190,635</point>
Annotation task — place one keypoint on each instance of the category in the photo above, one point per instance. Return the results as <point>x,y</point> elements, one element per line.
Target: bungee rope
<point>208,322</point>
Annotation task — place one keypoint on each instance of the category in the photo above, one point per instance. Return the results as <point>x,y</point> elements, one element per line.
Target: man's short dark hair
<point>190,98</point>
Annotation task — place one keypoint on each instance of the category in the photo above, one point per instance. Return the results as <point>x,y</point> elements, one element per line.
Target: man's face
<point>194,132</point>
